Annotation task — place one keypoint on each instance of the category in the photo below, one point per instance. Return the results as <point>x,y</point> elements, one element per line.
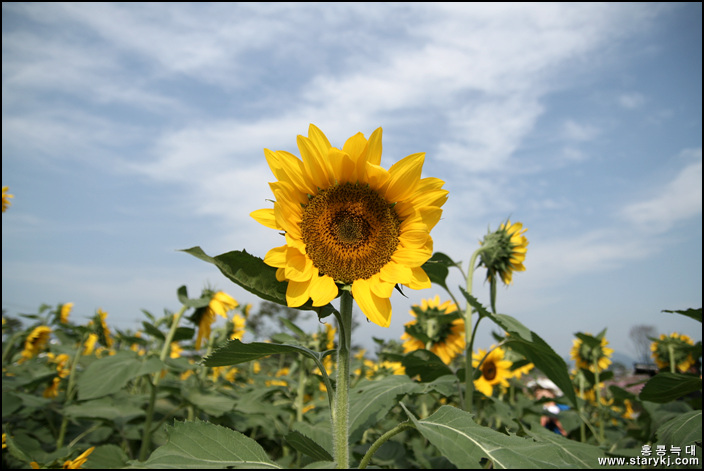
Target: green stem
<point>147,437</point>
<point>381,440</point>
<point>70,391</point>
<point>582,426</point>
<point>599,405</point>
<point>340,411</point>
<point>301,389</point>
<point>469,337</point>
<point>9,344</point>
<point>671,351</point>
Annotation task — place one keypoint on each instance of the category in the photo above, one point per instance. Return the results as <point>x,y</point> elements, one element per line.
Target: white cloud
<point>631,100</point>
<point>675,201</point>
<point>574,131</point>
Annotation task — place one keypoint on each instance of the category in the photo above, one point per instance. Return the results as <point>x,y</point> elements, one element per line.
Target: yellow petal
<point>405,175</point>
<point>343,167</point>
<point>297,293</point>
<point>289,192</point>
<point>376,176</point>
<point>411,257</point>
<point>383,289</point>
<point>396,273</point>
<point>298,266</point>
<point>323,290</point>
<point>356,146</point>
<point>374,147</point>
<point>377,310</point>
<point>314,163</point>
<point>414,235</point>
<point>295,172</point>
<point>266,217</point>
<point>276,257</point>
<point>419,280</point>
<point>319,140</point>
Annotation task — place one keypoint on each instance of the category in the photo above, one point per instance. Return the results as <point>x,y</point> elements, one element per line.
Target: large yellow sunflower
<point>494,370</point>
<point>433,330</point>
<point>505,251</point>
<point>348,221</point>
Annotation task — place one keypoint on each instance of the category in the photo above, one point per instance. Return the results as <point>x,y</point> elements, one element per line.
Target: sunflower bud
<point>503,251</point>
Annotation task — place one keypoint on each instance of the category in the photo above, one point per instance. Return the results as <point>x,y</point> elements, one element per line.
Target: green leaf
<point>695,314</point>
<point>152,330</point>
<point>248,271</point>
<point>182,294</point>
<point>212,403</point>
<point>109,374</point>
<point>107,457</point>
<point>570,453</point>
<point>666,387</point>
<point>200,445</point>
<point>370,401</point>
<point>532,346</point>
<point>235,352</point>
<point>105,408</point>
<point>307,446</point>
<point>437,269</point>
<point>465,443</point>
<point>474,302</point>
<point>681,431</point>
<point>252,274</point>
<point>424,363</point>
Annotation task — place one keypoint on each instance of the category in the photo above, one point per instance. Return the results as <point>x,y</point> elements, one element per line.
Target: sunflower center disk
<point>350,232</point>
<point>489,371</point>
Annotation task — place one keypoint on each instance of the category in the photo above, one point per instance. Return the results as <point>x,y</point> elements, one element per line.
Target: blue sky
<point>130,131</point>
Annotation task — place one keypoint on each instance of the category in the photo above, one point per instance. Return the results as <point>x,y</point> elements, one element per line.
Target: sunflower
<point>504,251</point>
<point>435,329</point>
<point>350,222</point>
<point>6,198</point>
<point>585,354</point>
<point>680,344</point>
<point>79,461</point>
<point>52,390</point>
<point>102,328</point>
<point>35,342</point>
<point>64,311</point>
<point>494,370</point>
<point>220,303</point>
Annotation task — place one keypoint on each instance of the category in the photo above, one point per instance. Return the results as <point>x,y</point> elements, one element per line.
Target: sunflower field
<point>185,391</point>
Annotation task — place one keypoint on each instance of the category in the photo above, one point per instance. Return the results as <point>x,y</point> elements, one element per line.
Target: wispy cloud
<point>674,201</point>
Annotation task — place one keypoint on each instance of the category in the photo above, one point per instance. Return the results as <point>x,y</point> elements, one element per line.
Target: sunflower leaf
<point>252,274</point>
<point>530,345</point>
<point>248,271</point>
<point>370,401</point>
<point>109,374</point>
<point>695,314</point>
<point>422,362</point>
<point>235,352</point>
<point>307,446</point>
<point>683,430</point>
<point>474,302</point>
<point>199,445</point>
<point>666,387</point>
<point>437,268</point>
<point>465,443</point>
